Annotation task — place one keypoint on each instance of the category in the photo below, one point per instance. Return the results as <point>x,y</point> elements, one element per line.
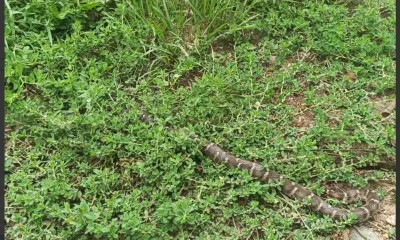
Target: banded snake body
<point>292,189</point>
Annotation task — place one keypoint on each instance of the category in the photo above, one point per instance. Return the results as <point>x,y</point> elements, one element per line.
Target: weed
<point>81,164</point>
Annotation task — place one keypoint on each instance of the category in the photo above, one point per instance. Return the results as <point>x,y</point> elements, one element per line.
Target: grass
<point>81,165</point>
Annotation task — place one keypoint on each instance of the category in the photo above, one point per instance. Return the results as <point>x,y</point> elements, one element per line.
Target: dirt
<point>304,119</point>
<point>299,56</point>
<point>266,65</point>
<point>305,56</point>
<point>32,91</point>
<point>383,106</point>
<point>223,46</point>
<point>188,78</point>
<point>351,76</point>
<point>334,118</point>
<point>255,37</point>
<point>304,116</point>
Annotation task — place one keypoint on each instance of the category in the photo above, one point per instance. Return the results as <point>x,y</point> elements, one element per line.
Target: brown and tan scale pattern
<point>294,190</point>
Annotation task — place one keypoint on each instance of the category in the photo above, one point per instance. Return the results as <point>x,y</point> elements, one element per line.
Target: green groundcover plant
<point>287,83</point>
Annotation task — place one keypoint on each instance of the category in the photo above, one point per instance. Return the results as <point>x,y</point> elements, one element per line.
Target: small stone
<point>393,142</point>
<point>391,220</point>
<point>363,233</point>
<point>272,60</point>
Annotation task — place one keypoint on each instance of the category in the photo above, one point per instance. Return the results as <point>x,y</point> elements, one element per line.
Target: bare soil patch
<point>383,107</point>
<point>189,78</point>
<point>254,36</point>
<point>223,46</point>
<point>304,119</point>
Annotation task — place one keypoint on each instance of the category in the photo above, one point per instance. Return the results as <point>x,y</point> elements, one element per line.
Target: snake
<point>368,197</point>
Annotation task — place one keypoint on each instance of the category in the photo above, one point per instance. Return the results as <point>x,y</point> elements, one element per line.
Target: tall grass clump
<point>190,24</point>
